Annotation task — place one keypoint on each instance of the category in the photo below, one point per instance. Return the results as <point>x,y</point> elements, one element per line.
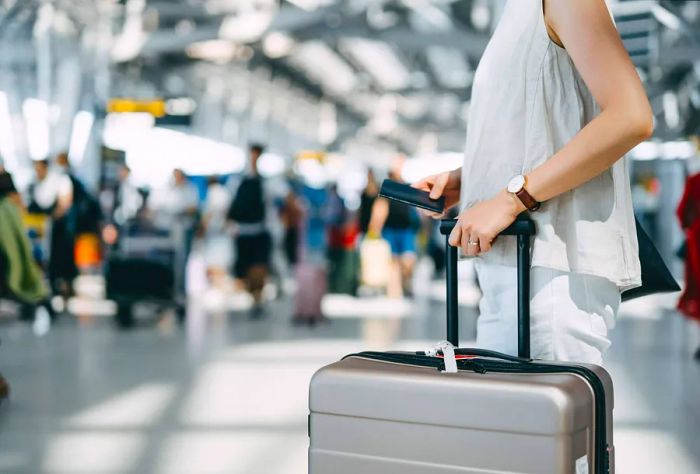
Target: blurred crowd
<point>246,232</point>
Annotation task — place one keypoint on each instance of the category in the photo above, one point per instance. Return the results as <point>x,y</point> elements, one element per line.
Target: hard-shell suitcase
<point>311,286</point>
<point>415,413</point>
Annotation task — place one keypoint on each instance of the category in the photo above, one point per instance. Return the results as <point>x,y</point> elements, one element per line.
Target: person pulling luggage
<point>548,124</point>
<point>253,240</point>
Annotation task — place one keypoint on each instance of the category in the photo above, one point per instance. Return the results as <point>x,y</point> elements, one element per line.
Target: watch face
<point>516,184</point>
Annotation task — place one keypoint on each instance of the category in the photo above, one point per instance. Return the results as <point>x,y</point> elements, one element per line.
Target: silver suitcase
<point>401,413</point>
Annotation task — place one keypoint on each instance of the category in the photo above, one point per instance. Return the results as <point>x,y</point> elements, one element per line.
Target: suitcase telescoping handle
<point>523,228</point>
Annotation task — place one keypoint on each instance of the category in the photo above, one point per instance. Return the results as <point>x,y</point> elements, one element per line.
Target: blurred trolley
<point>143,269</point>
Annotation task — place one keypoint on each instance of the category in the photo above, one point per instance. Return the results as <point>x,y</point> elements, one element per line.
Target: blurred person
<point>397,223</point>
<point>216,240</point>
<point>367,198</point>
<point>689,216</point>
<point>7,185</point>
<point>249,212</point>
<point>548,124</point>
<point>128,200</point>
<point>292,216</point>
<point>21,279</point>
<point>51,194</point>
<point>176,208</point>
<point>343,263</point>
<point>84,218</point>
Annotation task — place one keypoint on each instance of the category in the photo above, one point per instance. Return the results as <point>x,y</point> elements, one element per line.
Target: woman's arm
<point>586,30</point>
<point>380,211</point>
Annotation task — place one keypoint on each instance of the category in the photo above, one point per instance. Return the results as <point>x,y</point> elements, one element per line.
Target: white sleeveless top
<point>528,101</point>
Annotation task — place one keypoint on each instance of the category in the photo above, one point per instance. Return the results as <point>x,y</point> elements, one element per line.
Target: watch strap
<point>528,201</point>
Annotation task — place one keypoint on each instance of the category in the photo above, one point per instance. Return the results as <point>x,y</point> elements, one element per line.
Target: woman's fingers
<point>484,244</point>
<point>439,185</point>
<point>456,236</point>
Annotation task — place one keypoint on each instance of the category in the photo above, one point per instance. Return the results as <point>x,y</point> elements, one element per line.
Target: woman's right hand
<point>447,184</point>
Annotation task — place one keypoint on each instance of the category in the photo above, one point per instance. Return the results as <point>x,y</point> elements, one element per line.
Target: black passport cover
<point>408,195</point>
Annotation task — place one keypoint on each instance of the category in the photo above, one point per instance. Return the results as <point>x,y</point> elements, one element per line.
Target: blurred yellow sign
<point>319,156</point>
<point>155,107</point>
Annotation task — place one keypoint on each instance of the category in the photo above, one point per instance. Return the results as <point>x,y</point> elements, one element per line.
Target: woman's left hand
<point>478,226</point>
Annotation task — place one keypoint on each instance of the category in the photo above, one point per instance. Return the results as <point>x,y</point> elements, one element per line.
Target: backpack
<point>248,206</point>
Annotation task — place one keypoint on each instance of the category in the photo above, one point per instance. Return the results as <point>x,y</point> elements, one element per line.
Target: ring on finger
<point>473,242</point>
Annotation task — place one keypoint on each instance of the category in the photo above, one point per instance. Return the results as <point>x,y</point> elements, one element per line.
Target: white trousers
<point>570,313</point>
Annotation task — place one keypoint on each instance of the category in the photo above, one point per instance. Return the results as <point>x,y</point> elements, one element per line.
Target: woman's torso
<point>528,101</point>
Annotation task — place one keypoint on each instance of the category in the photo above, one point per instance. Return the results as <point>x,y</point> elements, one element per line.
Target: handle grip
<point>523,228</point>
<point>523,225</point>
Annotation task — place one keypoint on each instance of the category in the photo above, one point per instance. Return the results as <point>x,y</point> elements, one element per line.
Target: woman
<point>689,216</point>
<point>556,102</point>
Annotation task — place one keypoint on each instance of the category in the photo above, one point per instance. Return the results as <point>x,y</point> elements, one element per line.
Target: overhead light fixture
<point>219,51</point>
<point>480,15</point>
<point>36,123</point>
<point>320,63</point>
<point>129,43</point>
<point>671,110</point>
<point>380,61</point>
<point>7,138</point>
<point>310,5</point>
<point>666,18</point>
<point>249,22</point>
<point>80,136</point>
<point>277,45</point>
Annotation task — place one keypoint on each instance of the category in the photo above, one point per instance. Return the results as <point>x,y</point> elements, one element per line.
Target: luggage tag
<point>448,351</point>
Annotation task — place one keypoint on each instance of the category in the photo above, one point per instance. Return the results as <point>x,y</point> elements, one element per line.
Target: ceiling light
<point>218,51</point>
<point>666,18</point>
<point>36,122</point>
<point>248,23</point>
<point>380,60</point>
<point>277,45</point>
<point>480,15</point>
<point>324,66</point>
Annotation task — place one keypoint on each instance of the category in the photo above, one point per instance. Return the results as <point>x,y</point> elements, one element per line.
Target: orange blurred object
<point>87,251</point>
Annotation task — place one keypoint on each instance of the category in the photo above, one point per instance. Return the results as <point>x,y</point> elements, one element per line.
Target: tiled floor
<point>228,395</point>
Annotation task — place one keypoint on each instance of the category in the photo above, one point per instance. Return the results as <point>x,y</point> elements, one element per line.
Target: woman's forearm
<point>592,151</point>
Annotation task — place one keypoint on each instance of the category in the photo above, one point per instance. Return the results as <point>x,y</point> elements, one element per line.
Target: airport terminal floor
<point>227,394</point>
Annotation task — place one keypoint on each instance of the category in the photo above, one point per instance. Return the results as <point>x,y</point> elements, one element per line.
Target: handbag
<point>656,277</point>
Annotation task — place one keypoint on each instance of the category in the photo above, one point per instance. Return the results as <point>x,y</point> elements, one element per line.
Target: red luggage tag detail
<point>459,357</point>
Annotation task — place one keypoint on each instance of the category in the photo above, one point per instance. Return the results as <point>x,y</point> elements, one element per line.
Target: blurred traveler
<point>21,278</point>
<point>128,200</point>
<point>291,214</point>
<point>689,216</point>
<point>51,194</point>
<point>249,211</point>
<point>7,185</point>
<point>343,263</point>
<point>176,209</point>
<point>397,223</point>
<point>367,198</point>
<point>556,137</point>
<point>84,218</point>
<point>217,242</point>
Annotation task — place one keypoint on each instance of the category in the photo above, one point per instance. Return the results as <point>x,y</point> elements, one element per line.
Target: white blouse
<point>528,101</point>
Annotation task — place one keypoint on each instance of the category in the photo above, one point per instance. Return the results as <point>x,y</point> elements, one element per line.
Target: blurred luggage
<point>311,286</point>
<point>143,270</point>
<point>451,410</point>
<point>375,262</point>
<point>87,251</point>
<point>343,271</point>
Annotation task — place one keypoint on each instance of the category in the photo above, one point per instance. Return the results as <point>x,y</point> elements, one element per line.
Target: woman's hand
<point>478,226</point>
<point>446,184</point>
